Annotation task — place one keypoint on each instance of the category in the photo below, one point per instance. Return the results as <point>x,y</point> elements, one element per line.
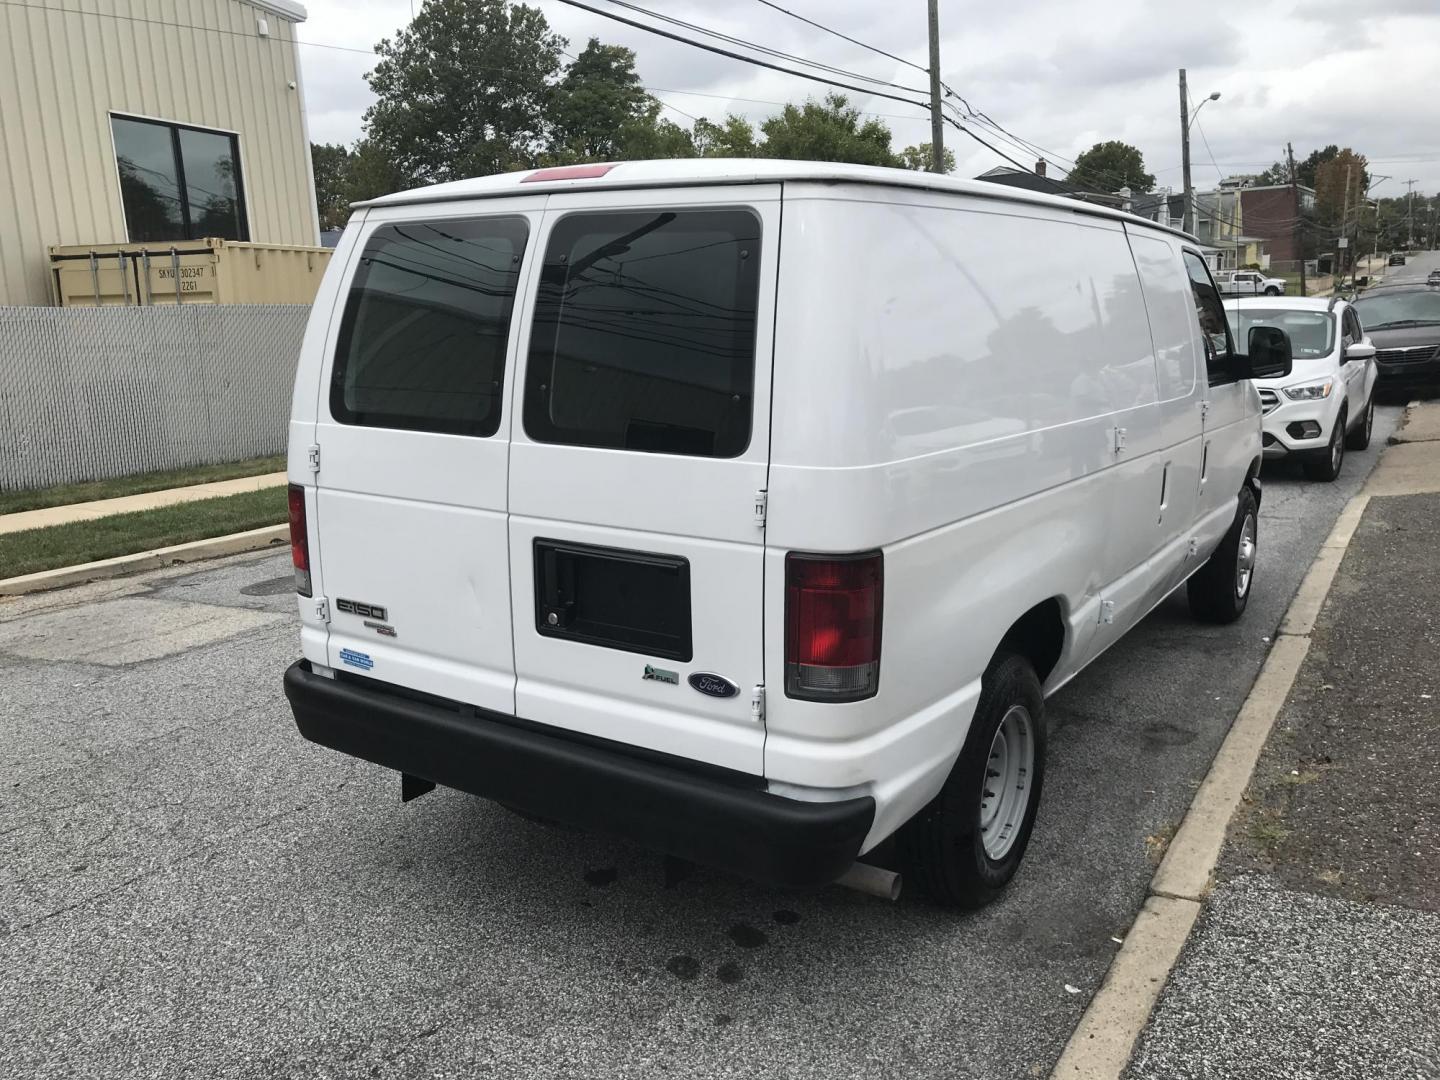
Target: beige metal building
<point>148,121</point>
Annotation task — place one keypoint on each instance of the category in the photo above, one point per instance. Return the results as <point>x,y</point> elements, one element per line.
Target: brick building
<point>1270,211</point>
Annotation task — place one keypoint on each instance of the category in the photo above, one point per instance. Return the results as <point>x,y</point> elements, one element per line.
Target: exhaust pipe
<point>862,877</point>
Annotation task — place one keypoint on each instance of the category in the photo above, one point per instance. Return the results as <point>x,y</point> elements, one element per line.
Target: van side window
<point>644,332</point>
<point>1211,314</point>
<point>422,342</point>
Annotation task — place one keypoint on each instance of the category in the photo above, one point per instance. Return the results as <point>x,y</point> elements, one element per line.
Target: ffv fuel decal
<point>714,685</point>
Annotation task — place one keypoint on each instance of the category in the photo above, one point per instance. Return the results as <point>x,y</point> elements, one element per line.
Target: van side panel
<point>951,373</point>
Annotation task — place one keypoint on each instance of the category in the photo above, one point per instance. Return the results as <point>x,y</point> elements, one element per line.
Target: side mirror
<point>1268,353</point>
<point>1361,350</point>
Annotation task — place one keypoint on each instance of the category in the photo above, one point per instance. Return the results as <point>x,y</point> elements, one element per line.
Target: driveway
<point>187,888</point>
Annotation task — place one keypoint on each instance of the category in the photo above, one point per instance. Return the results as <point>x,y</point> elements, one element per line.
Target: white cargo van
<point>750,509</point>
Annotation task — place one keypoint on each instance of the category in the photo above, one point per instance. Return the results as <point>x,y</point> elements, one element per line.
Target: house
<point>1272,211</point>
<point>130,121</point>
<point>1163,206</point>
<point>1049,185</point>
<point>1219,225</point>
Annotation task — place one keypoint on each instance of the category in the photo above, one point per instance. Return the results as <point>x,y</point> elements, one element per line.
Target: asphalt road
<point>187,888</point>
<point>1417,266</point>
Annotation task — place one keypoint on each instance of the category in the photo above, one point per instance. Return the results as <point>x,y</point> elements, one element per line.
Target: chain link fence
<point>89,393</point>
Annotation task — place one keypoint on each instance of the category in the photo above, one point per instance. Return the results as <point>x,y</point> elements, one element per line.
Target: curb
<point>1103,1040</point>
<point>196,550</point>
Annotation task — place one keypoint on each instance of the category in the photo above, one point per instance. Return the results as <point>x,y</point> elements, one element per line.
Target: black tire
<point>1327,466</point>
<point>1272,291</point>
<point>942,848</point>
<point>1358,437</point>
<point>1215,592</point>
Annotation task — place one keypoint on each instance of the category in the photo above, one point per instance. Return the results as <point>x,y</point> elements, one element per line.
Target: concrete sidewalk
<point>150,500</point>
<point>1317,954</point>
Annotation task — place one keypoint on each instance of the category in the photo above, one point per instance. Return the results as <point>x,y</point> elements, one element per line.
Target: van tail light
<point>833,605</point>
<point>299,540</point>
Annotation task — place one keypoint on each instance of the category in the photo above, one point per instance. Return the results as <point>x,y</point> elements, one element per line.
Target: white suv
<point>1326,404</point>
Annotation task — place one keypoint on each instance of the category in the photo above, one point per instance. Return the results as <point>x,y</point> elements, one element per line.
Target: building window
<point>179,182</point>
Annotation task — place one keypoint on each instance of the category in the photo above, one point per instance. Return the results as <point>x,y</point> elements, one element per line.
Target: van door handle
<point>1164,489</point>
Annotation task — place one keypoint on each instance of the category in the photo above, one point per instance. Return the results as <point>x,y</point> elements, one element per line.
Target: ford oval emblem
<point>714,685</point>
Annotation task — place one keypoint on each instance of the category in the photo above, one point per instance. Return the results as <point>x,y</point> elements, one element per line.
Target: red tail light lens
<point>299,540</point>
<point>833,605</point>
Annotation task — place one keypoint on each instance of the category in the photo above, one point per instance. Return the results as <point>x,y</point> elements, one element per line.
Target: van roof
<point>677,172</point>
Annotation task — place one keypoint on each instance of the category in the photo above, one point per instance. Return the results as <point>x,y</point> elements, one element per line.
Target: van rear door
<point>639,452</point>
<point>412,429</point>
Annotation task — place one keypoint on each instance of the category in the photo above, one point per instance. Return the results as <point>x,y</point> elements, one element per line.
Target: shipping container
<point>209,271</point>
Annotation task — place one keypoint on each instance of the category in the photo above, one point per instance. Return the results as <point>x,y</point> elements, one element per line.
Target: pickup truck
<point>1248,283</point>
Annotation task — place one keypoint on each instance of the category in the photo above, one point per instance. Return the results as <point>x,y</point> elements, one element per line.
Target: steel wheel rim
<point>1245,557</point>
<point>1005,787</point>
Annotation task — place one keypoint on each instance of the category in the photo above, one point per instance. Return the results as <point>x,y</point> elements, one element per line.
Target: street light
<point>1186,119</point>
<point>1213,97</point>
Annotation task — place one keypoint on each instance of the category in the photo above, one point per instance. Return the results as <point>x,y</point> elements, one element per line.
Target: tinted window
<point>178,182</point>
<point>422,342</point>
<point>644,332</point>
<point>1211,315</point>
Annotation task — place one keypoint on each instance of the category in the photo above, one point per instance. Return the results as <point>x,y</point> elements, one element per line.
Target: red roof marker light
<point>568,172</point>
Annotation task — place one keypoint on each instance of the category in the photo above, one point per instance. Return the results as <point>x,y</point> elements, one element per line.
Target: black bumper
<point>711,816</point>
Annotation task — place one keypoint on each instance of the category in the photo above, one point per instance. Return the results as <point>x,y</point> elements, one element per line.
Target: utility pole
<point>1298,234</point>
<point>937,121</point>
<point>1188,223</point>
<point>1344,229</point>
<point>1410,189</point>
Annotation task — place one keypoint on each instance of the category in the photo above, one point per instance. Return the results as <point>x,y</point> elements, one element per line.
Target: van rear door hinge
<point>315,457</point>
<point>1119,440</point>
<point>1204,411</point>
<point>762,504</point>
<point>1107,612</point>
<point>322,609</point>
<point>757,704</point>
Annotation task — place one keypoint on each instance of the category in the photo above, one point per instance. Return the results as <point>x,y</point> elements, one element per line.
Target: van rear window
<point>422,342</point>
<point>644,332</point>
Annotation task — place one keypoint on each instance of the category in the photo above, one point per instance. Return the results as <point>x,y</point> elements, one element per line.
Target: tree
<point>599,101</point>
<point>827,131</point>
<point>733,137</point>
<point>1331,179</point>
<point>331,164</point>
<point>1109,166</point>
<point>918,158</point>
<point>370,173</point>
<point>463,90</point>
<point>1307,170</point>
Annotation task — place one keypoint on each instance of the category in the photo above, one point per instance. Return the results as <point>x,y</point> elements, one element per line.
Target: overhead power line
<point>740,56</point>
<point>844,37</point>
<point>180,26</point>
<point>766,49</point>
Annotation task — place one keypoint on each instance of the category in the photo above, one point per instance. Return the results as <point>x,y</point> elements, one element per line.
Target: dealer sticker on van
<point>356,659</point>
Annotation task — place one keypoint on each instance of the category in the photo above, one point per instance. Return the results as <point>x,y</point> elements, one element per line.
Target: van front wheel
<point>965,846</point>
<point>1220,589</point>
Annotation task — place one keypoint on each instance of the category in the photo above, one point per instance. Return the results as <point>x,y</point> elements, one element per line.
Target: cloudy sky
<point>1061,74</point>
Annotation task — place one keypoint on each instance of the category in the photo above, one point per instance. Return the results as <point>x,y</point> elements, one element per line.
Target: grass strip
<point>32,550</point>
<point>12,502</point>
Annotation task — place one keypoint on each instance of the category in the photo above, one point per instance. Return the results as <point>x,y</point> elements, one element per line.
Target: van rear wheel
<point>1220,589</point>
<point>965,846</point>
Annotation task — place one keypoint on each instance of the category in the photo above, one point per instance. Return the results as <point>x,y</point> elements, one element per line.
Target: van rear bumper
<point>710,816</point>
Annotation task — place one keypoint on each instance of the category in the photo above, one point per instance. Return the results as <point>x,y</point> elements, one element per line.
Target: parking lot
<point>187,888</point>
